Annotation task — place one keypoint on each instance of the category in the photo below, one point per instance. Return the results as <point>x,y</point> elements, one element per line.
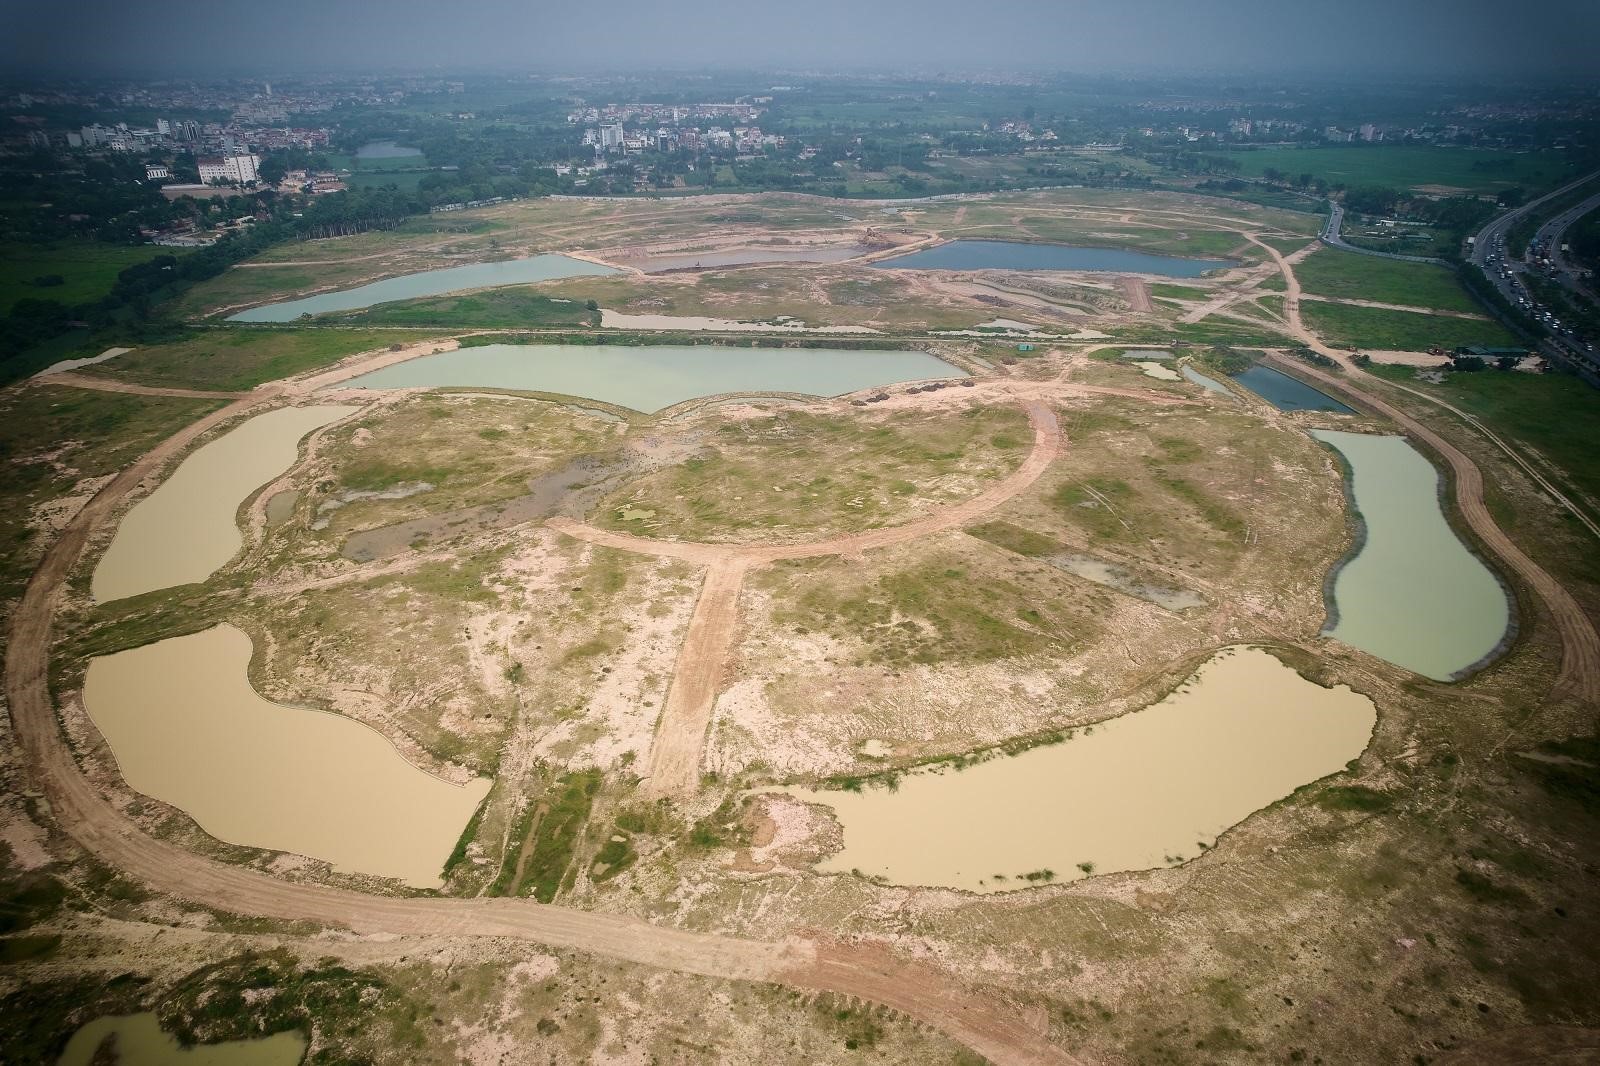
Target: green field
<point>88,269</point>
<point>1555,414</point>
<point>1368,327</point>
<point>233,359</point>
<point>1467,170</point>
<point>1331,272</point>
<point>406,180</point>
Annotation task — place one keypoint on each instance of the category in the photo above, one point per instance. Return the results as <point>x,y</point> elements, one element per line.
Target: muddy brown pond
<point>188,528</point>
<point>1141,791</point>
<point>187,728</point>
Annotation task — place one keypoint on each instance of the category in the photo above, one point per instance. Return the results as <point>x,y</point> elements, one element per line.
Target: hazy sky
<point>1496,38</point>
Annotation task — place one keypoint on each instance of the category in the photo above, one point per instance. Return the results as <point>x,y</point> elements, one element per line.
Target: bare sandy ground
<point>1393,358</point>
<point>700,323</point>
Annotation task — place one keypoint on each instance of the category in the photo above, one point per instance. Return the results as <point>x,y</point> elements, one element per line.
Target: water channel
<point>188,527</point>
<point>1287,393</point>
<point>1016,255</point>
<point>1210,384</point>
<point>139,1041</point>
<point>650,377</point>
<point>1138,792</point>
<point>1412,594</point>
<point>427,283</point>
<point>187,728</point>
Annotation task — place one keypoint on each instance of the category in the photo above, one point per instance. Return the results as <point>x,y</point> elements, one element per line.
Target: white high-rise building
<point>230,169</point>
<point>610,135</point>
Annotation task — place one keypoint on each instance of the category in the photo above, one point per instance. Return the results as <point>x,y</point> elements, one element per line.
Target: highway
<point>1331,235</point>
<point>1489,254</point>
<point>1553,233</point>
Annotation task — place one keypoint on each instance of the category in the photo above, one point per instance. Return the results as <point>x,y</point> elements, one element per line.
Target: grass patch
<point>1484,890</point>
<point>260,993</point>
<point>1331,272</point>
<point>1554,414</point>
<point>1354,798</point>
<point>549,862</point>
<point>807,472</point>
<point>1369,327</point>
<point>933,611</point>
<point>18,949</point>
<point>234,359</point>
<point>1014,538</point>
<point>515,307</point>
<point>1576,778</point>
<point>69,272</point>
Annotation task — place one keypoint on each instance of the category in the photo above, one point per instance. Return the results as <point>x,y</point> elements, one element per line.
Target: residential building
<point>230,169</point>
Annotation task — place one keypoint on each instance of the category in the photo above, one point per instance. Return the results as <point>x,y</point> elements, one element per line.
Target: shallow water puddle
<point>139,1041</point>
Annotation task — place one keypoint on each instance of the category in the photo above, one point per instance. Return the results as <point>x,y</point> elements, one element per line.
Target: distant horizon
<point>18,77</point>
<point>1473,41</point>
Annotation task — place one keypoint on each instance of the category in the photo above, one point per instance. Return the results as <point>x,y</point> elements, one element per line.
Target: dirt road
<point>82,381</point>
<point>674,768</point>
<point>1580,658</point>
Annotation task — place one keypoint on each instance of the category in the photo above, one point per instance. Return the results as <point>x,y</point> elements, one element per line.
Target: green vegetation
<point>1572,774</point>
<point>68,271</point>
<point>19,949</point>
<point>38,1018</point>
<point>259,993</point>
<point>1467,170</point>
<point>539,860</point>
<point>28,899</point>
<point>934,611</point>
<point>1554,414</point>
<point>1485,890</point>
<point>1344,326</point>
<point>802,471</point>
<point>1015,539</point>
<point>231,359</point>
<point>85,435</point>
<point>1093,503</point>
<point>1354,798</point>
<point>1332,272</point>
<point>515,307</point>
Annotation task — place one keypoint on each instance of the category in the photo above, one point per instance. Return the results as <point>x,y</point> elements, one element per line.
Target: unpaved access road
<point>83,381</point>
<point>993,1029</point>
